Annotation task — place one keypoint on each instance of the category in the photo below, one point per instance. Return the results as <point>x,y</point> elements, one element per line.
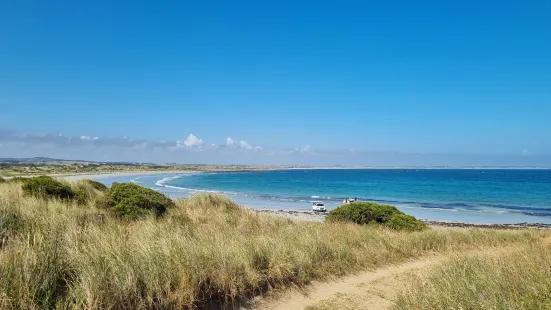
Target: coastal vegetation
<point>374,213</point>
<point>203,251</point>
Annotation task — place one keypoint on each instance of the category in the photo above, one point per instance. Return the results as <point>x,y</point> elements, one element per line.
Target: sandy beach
<point>92,176</point>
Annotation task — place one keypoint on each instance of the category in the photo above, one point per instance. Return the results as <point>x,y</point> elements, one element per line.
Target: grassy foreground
<point>205,251</point>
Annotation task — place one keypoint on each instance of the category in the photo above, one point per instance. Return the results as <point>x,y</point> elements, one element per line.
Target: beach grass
<point>204,251</point>
<point>510,278</point>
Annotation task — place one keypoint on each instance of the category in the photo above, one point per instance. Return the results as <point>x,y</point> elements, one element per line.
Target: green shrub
<point>401,221</point>
<point>362,213</point>
<point>2,180</point>
<point>47,187</point>
<point>130,201</point>
<point>370,212</point>
<point>97,185</point>
<point>80,196</point>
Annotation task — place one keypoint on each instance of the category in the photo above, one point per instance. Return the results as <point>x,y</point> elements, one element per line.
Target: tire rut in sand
<point>372,289</point>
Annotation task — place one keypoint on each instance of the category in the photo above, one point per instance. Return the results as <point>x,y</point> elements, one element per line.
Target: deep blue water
<point>489,196</point>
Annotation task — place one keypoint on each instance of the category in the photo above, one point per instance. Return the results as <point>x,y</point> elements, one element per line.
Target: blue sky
<point>435,82</point>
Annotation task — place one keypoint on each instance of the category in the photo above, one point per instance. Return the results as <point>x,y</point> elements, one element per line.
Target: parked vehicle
<point>350,200</point>
<point>318,206</point>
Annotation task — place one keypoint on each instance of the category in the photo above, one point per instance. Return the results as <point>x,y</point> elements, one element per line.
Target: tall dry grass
<point>205,251</point>
<point>511,278</point>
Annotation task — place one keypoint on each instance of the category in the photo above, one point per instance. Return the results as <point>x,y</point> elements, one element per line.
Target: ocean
<point>465,195</point>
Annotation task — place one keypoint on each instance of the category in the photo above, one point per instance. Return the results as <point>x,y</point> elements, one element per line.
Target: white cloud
<point>300,150</point>
<point>245,145</point>
<point>230,141</point>
<point>230,151</point>
<point>242,144</point>
<point>191,141</point>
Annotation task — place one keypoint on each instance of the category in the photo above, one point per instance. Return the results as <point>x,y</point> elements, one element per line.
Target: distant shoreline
<point>161,168</point>
<point>76,177</point>
<point>319,217</point>
<point>244,169</point>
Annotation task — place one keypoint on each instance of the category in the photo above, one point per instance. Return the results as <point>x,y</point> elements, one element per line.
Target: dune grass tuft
<point>511,278</point>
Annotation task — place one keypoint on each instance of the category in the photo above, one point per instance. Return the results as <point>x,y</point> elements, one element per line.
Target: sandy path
<point>373,289</point>
<point>365,290</point>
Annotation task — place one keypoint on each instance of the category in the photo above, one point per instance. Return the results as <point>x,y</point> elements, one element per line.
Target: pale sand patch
<point>295,215</point>
<point>366,290</point>
<point>93,176</point>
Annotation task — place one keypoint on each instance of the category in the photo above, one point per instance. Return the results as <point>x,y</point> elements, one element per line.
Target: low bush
<point>2,180</point>
<point>97,185</point>
<point>362,213</point>
<point>130,201</point>
<point>47,187</point>
<point>80,196</point>
<point>369,212</point>
<point>400,221</point>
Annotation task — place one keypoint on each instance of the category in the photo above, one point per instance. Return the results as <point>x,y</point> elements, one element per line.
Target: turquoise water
<point>483,196</point>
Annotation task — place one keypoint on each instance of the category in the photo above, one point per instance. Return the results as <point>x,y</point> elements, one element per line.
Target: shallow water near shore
<point>474,196</point>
